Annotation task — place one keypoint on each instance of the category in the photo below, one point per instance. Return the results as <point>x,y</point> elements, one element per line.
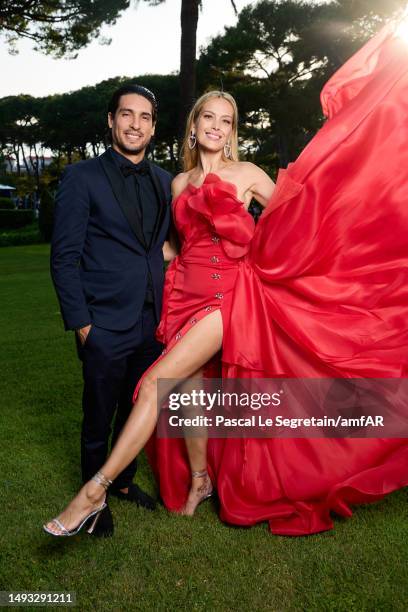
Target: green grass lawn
<point>156,561</point>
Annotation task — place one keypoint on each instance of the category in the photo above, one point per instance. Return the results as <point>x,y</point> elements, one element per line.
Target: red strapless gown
<point>319,288</point>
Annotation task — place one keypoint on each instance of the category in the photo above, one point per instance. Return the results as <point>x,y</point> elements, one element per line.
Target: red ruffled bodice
<point>215,232</point>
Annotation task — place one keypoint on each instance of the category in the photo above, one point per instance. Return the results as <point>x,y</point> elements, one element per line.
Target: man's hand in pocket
<point>83,333</point>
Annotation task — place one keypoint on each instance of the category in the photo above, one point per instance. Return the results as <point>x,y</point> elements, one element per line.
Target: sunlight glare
<point>402,28</point>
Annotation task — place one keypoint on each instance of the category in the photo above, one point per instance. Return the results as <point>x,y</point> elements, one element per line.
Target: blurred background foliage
<point>274,61</point>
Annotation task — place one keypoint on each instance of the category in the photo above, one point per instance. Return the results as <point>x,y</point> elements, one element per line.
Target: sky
<point>144,40</point>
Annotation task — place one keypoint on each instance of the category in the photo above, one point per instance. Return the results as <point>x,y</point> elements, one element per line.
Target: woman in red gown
<point>318,289</point>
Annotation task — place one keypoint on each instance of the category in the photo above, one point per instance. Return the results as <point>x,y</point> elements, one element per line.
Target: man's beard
<point>134,150</point>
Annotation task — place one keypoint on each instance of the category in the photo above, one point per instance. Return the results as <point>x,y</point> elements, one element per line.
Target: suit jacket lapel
<point>162,201</point>
<point>129,208</point>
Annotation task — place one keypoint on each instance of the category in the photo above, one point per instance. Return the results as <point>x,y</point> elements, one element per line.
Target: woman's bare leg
<point>201,485</point>
<point>197,453</point>
<point>196,440</point>
<point>199,344</point>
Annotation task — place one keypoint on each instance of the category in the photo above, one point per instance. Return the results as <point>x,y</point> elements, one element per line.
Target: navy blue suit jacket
<point>99,262</point>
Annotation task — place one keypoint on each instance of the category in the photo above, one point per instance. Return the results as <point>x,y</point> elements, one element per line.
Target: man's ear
<point>110,120</point>
<point>153,129</point>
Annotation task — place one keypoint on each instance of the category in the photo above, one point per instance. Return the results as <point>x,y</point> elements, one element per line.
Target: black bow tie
<point>135,169</point>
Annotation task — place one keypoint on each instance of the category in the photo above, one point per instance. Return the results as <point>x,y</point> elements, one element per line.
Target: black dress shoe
<point>136,496</point>
<point>104,526</point>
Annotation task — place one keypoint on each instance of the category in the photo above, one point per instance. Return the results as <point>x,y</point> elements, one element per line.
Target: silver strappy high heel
<point>95,514</point>
<point>205,491</point>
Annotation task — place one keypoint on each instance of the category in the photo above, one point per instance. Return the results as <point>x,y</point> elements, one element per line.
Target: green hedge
<point>13,219</point>
<point>26,235</point>
<point>6,204</point>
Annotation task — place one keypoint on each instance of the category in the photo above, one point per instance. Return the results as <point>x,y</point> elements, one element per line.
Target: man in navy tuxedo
<point>111,219</point>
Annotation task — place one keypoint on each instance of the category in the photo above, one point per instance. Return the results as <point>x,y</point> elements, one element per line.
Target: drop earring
<point>227,149</point>
<point>192,141</point>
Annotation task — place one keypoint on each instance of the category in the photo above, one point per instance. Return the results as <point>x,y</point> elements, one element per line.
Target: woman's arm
<point>262,186</point>
<point>169,253</point>
<point>171,246</point>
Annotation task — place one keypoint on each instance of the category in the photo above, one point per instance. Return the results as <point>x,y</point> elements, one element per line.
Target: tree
<point>188,50</point>
<point>59,27</point>
<point>62,27</point>
<point>20,132</point>
<point>74,125</point>
<point>276,60</point>
<point>267,62</point>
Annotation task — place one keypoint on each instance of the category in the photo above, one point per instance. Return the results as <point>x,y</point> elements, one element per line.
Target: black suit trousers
<point>113,362</point>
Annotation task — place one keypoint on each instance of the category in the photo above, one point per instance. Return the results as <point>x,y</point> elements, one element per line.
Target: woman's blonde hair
<point>190,156</point>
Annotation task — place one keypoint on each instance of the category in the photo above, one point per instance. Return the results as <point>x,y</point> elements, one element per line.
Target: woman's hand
<point>169,251</point>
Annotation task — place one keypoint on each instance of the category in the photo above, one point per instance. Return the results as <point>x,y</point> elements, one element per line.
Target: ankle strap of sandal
<point>102,480</point>
<point>200,474</point>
